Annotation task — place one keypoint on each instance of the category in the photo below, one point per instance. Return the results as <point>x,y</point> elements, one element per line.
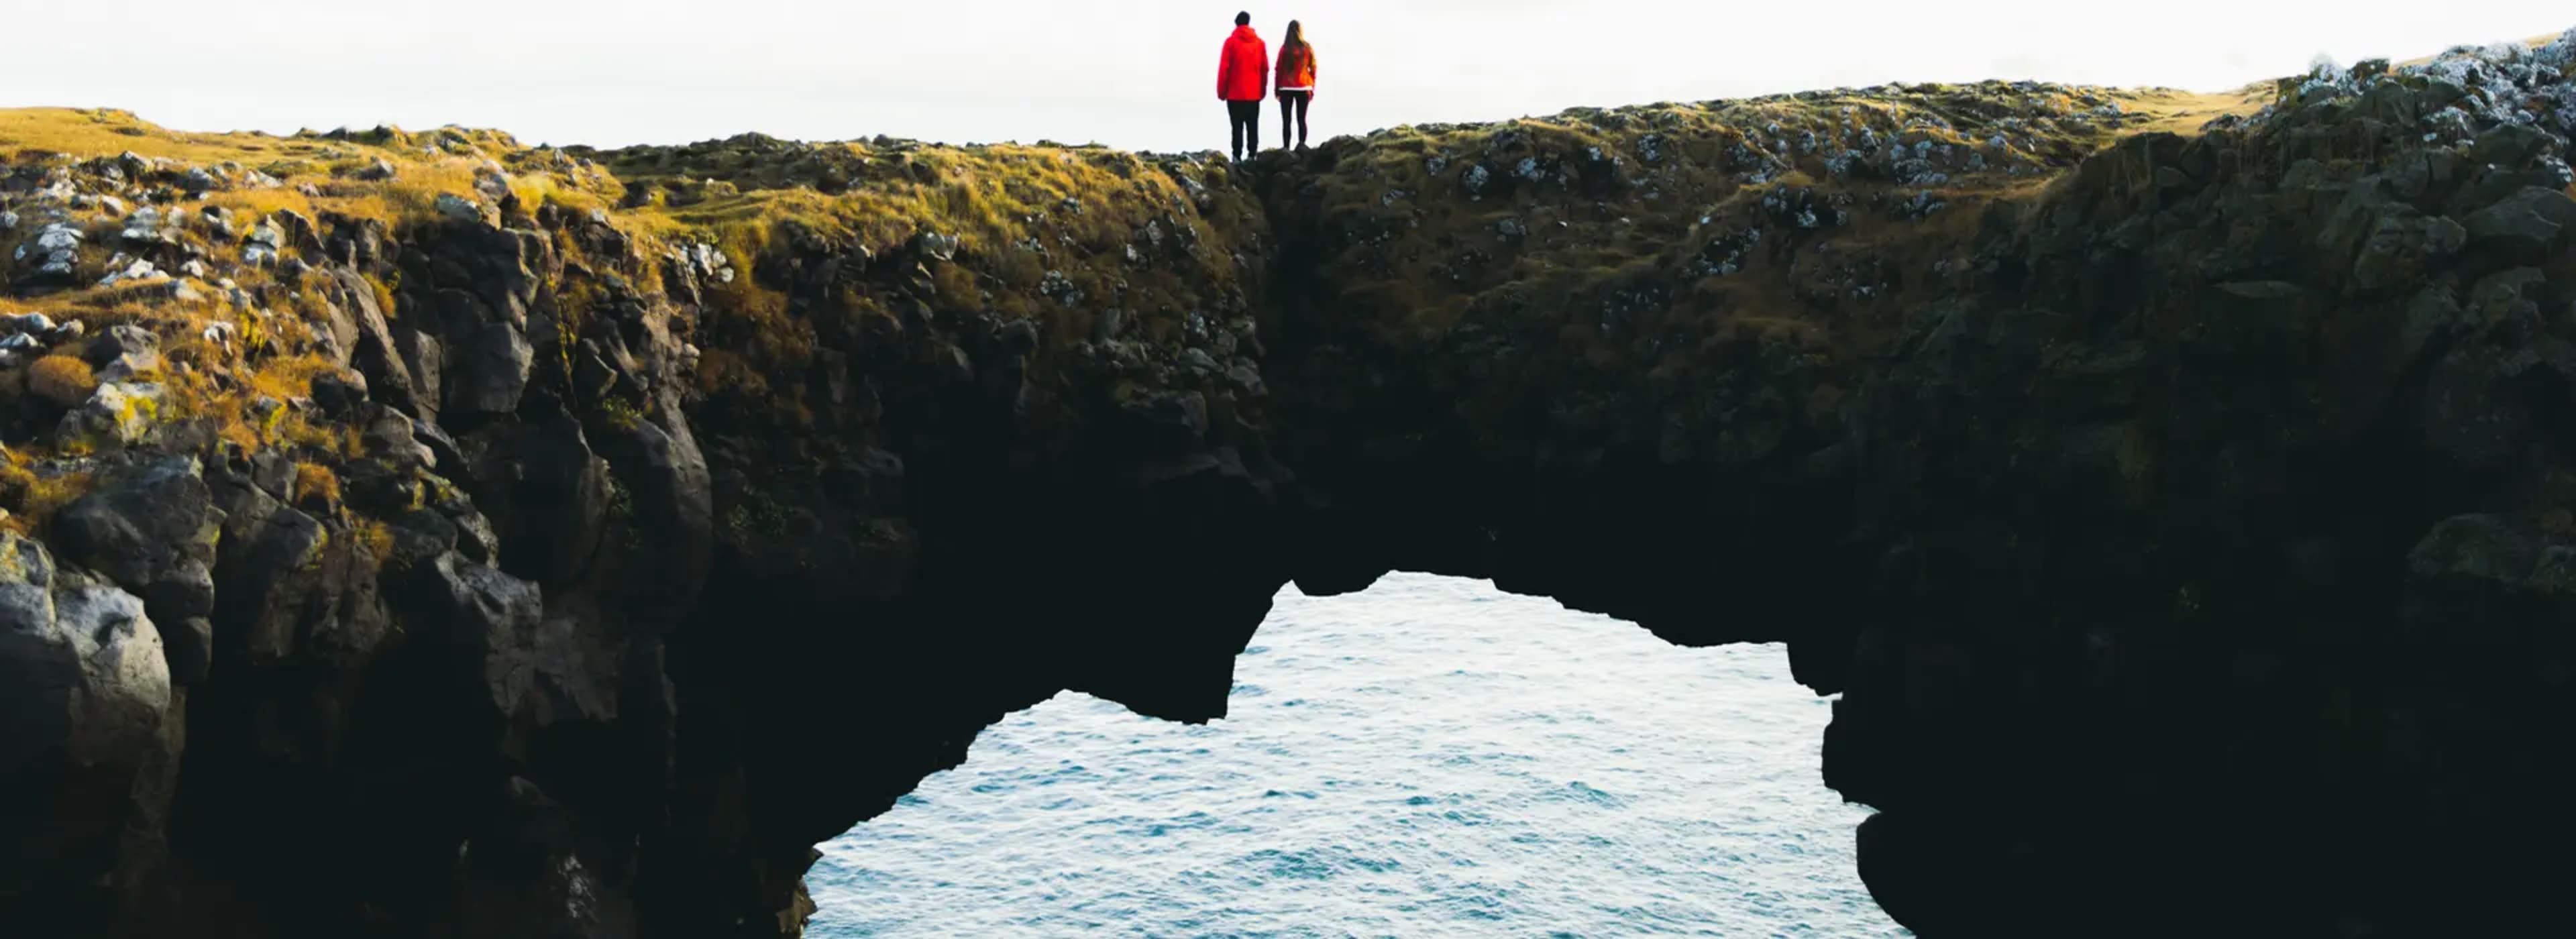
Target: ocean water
<point>1430,757</point>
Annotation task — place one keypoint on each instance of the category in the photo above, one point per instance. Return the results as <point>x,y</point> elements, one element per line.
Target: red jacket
<point>1297,67</point>
<point>1243,72</point>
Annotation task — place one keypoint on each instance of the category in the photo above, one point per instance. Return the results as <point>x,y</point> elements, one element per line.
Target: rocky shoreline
<point>417,534</point>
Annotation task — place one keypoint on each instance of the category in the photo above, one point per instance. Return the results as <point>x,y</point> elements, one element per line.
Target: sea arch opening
<point>1429,756</point>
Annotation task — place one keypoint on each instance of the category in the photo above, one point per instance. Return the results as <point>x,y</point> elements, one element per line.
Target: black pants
<point>1292,113</point>
<point>1247,127</point>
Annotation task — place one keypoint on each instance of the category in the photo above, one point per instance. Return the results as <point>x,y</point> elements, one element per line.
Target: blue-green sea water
<point>1430,757</point>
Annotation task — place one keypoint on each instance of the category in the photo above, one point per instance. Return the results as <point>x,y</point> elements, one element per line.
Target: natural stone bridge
<point>564,545</point>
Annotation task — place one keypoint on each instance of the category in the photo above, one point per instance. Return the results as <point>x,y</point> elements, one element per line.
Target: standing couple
<point>1243,79</point>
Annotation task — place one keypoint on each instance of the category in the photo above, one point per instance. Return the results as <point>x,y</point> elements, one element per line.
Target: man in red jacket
<point>1243,79</point>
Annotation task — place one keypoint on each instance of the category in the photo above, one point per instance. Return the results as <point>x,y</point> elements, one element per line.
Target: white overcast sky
<point>1130,73</point>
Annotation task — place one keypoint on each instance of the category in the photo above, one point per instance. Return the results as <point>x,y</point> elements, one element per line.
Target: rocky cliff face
<point>419,534</point>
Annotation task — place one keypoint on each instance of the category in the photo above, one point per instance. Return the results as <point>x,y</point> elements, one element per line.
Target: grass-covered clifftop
<point>214,243</point>
<point>228,249</point>
<point>1426,223</point>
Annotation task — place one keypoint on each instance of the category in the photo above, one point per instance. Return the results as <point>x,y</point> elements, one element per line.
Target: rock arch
<point>2188,535</point>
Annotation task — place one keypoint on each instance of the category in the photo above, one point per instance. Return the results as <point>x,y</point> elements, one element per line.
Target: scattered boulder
<point>2511,145</point>
<point>339,394</point>
<point>298,230</point>
<point>1475,180</point>
<point>55,254</point>
<point>124,352</point>
<point>122,412</point>
<point>90,684</point>
<point>144,228</point>
<point>459,208</point>
<point>137,270</point>
<point>153,532</point>
<point>492,184</point>
<point>2525,224</point>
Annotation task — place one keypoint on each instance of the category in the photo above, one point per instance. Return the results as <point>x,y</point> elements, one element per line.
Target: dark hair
<point>1296,36</point>
<point>1243,19</point>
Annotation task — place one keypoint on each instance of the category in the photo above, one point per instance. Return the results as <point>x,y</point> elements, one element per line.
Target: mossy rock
<point>63,380</point>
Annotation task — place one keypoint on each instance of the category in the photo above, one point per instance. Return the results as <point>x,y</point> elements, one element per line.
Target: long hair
<point>1296,36</point>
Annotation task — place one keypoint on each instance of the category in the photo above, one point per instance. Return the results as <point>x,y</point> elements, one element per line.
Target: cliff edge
<point>423,534</point>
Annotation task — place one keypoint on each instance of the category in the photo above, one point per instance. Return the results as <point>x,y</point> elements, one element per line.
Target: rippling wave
<point>1431,757</point>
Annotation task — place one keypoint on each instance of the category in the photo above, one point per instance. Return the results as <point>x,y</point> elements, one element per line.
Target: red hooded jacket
<point>1243,72</point>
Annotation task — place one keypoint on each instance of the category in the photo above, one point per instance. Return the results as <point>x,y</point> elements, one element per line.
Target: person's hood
<point>1244,34</point>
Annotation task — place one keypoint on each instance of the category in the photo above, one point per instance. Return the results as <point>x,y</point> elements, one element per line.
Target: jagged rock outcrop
<point>2172,485</point>
<point>93,740</point>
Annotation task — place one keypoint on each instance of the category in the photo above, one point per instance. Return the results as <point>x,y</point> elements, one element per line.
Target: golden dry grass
<point>103,132</point>
<point>375,537</point>
<point>2185,113</point>
<point>32,496</point>
<point>63,379</point>
<point>314,484</point>
<point>321,162</point>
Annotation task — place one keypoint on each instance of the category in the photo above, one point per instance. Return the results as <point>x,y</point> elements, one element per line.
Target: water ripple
<point>1429,758</point>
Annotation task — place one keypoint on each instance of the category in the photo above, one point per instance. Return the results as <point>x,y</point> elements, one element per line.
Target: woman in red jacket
<point>1296,82</point>
<point>1242,77</point>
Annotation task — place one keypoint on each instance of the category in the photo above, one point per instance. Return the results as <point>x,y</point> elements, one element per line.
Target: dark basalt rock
<point>90,742</point>
<point>154,533</point>
<point>2522,226</point>
<point>358,322</point>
